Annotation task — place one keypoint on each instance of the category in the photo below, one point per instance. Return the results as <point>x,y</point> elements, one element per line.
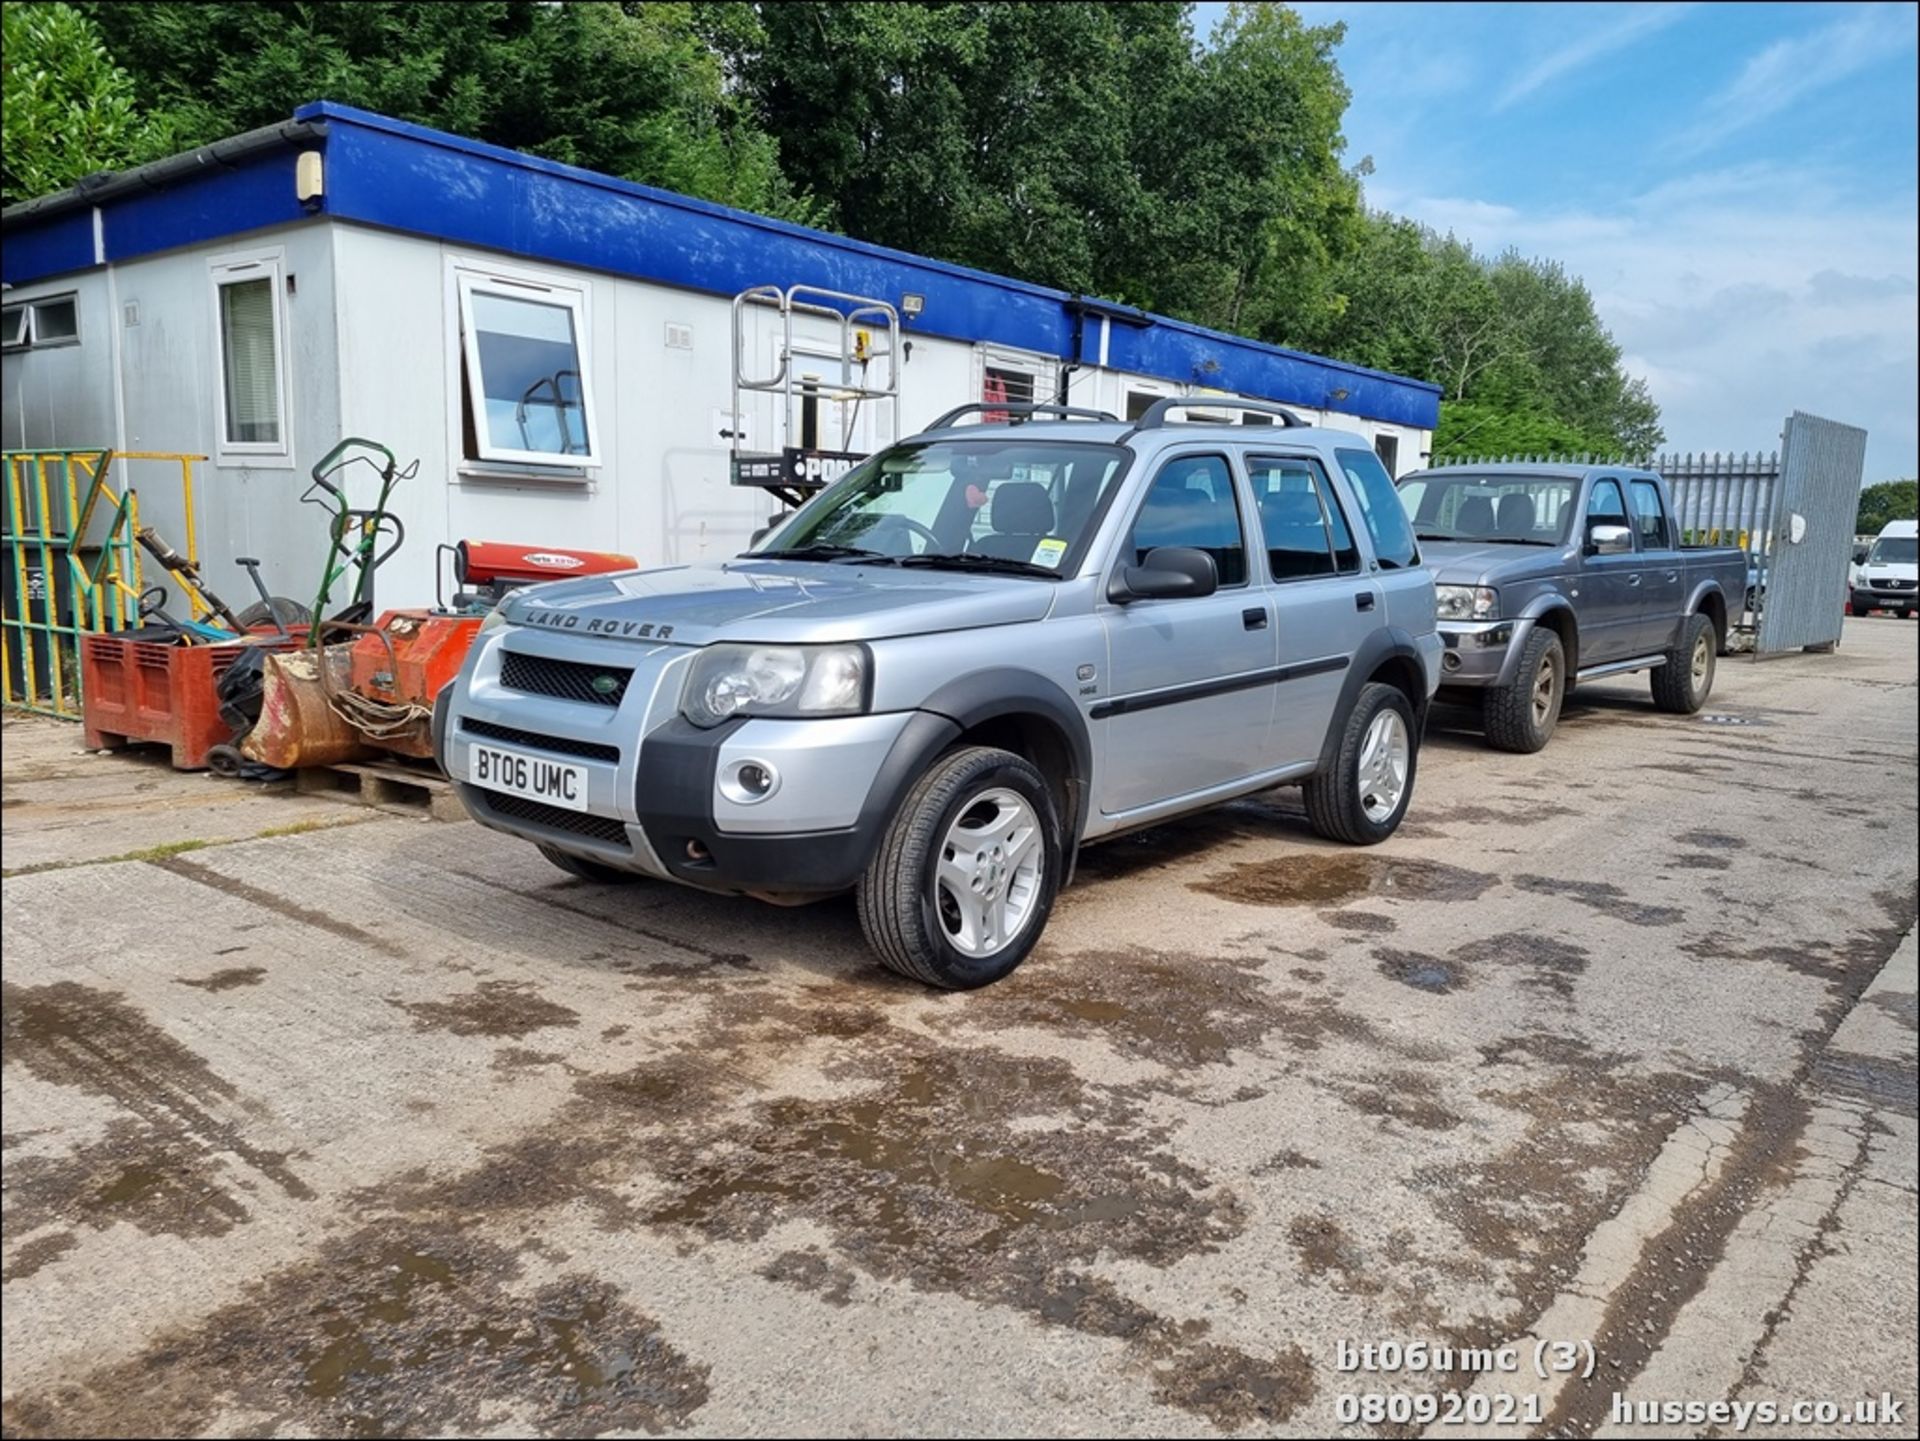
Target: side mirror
<point>1609,539</point>
<point>1168,571</point>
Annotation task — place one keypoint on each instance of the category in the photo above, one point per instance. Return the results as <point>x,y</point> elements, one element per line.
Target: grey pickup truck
<point>983,648</point>
<point>1551,574</point>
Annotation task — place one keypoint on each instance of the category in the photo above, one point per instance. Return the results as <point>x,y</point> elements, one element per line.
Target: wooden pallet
<point>389,785</point>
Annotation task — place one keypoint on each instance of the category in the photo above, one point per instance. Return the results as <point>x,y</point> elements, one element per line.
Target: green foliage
<point>631,90</point>
<point>1889,500</point>
<point>1094,147</point>
<point>69,110</point>
<point>1525,364</point>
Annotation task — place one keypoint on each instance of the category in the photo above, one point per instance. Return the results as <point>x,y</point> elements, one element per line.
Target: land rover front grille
<point>565,679</point>
<point>515,808</point>
<point>563,745</point>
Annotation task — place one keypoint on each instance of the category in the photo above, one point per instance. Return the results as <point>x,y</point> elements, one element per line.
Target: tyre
<point>587,870</point>
<point>960,886</point>
<point>1861,605</point>
<point>1521,715</point>
<point>289,613</point>
<point>1682,685</point>
<point>1362,798</point>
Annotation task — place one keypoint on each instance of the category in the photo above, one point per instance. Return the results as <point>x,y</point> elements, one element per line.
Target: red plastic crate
<point>134,690</point>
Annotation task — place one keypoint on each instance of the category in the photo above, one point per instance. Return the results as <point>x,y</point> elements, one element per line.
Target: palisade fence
<point>1792,511</point>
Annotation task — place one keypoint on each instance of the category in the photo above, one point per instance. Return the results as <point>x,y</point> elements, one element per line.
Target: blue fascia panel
<point>497,199</point>
<point>226,201</point>
<point>53,247</point>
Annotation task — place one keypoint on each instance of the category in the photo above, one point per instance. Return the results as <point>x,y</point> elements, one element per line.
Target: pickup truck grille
<point>565,679</point>
<point>563,745</point>
<point>514,808</point>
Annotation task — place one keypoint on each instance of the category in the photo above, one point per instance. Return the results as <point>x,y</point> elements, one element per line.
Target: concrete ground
<point>324,1121</point>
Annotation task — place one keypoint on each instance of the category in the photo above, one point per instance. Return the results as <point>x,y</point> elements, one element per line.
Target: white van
<point>1889,578</point>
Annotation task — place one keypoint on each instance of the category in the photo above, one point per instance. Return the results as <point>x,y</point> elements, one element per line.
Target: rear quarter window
<point>1386,518</point>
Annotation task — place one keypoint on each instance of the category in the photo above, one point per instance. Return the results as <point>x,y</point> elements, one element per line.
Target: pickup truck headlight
<point>1467,602</point>
<point>775,680</point>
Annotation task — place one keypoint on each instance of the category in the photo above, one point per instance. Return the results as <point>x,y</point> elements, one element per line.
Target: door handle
<point>1633,580</point>
<point>1363,601</point>
<point>1672,576</point>
<point>1254,617</point>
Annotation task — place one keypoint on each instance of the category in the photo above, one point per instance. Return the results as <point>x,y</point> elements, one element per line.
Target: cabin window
<point>526,394</point>
<point>250,324</point>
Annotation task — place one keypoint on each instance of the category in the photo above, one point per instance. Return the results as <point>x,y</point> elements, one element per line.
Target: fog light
<point>749,782</point>
<point>1450,661</point>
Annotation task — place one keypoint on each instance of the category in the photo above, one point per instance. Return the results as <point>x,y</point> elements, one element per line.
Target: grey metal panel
<point>1821,467</point>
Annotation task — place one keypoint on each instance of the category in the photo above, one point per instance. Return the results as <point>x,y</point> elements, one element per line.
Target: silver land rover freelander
<point>983,648</point>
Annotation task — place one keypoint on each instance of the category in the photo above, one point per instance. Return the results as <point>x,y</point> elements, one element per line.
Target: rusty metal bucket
<point>298,726</point>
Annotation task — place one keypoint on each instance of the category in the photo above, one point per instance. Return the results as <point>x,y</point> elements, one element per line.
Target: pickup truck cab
<point>1553,574</point>
<point>981,649</point>
<point>1889,579</point>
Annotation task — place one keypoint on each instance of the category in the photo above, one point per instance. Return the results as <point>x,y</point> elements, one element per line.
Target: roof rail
<point>1156,414</point>
<point>1024,408</point>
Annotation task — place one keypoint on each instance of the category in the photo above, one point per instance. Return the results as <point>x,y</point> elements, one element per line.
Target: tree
<point>632,90</point>
<point>1889,500</point>
<point>69,110</point>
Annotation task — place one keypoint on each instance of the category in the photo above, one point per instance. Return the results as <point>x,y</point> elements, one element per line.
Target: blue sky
<point>1735,183</point>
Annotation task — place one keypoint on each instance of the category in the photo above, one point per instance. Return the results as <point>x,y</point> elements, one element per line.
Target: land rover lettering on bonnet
<point>976,652</point>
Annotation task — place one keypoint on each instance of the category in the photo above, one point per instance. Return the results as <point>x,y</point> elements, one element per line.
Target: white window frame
<point>492,460</point>
<point>28,311</point>
<point>233,269</point>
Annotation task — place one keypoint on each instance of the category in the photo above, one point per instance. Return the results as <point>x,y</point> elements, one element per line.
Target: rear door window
<point>1649,516</point>
<point>1305,532</point>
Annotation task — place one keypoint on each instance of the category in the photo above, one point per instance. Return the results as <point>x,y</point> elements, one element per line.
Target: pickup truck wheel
<point>585,869</point>
<point>965,874</point>
<point>1362,798</point>
<point>1682,685</point>
<point>1520,716</point>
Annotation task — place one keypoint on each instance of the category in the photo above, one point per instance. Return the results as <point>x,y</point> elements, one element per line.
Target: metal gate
<point>1821,465</point>
<point>1792,511</point>
<point>70,565</point>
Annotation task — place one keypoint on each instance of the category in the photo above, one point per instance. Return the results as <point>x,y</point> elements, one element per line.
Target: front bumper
<point>662,796</point>
<point>1480,652</point>
<point>1872,598</point>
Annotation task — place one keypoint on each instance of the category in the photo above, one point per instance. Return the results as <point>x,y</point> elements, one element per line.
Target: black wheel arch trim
<point>1387,643</point>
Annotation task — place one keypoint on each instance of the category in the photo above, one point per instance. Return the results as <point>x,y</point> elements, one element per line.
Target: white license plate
<point>553,783</point>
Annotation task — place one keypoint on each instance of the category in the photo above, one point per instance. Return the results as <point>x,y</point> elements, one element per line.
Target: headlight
<point>496,618</point>
<point>1467,602</point>
<point>775,680</point>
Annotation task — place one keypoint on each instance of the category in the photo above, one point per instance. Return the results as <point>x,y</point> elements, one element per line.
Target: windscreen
<point>1515,509</point>
<point>1894,550</point>
<point>1022,502</point>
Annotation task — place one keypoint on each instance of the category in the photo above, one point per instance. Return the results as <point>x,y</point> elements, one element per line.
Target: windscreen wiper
<point>971,560</point>
<point>823,551</point>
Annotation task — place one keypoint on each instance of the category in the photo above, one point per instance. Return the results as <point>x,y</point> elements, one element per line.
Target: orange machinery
<point>376,691</point>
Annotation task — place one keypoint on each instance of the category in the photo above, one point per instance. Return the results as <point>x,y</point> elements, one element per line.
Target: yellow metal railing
<point>59,580</point>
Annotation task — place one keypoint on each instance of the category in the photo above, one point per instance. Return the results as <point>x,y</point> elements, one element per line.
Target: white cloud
<point>1632,26</point>
<point>1788,71</point>
<point>1739,298</point>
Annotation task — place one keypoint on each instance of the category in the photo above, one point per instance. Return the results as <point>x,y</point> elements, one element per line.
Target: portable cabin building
<point>556,347</point>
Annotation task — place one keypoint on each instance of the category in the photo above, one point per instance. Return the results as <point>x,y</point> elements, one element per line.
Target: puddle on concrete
<point>1327,1253</point>
<point>1527,811</point>
<point>1172,1009</point>
<point>813,1271</point>
<point>1233,1390</point>
<point>1322,878</point>
<point>232,978</point>
<point>398,1329</point>
<point>1604,897</point>
<point>1365,922</point>
<point>494,1008</point>
<point>176,1121</point>
<point>1888,1084</point>
<point>36,1254</point>
<point>1545,964</point>
<point>1711,840</point>
<point>1422,972</point>
<point>1404,1096</point>
<point>1701,861</point>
